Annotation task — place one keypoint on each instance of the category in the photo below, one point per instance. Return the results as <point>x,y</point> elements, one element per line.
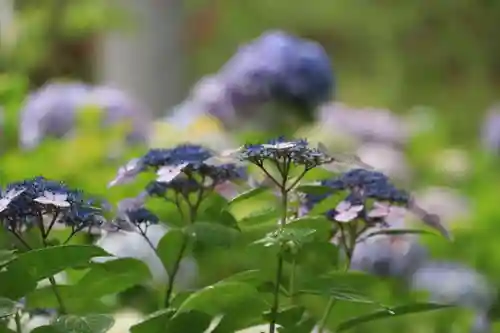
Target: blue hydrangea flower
<point>282,67</point>
<point>29,200</point>
<point>51,111</point>
<point>297,152</point>
<point>184,169</point>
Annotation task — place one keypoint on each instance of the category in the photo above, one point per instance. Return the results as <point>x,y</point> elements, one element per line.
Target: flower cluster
<point>51,111</point>
<point>361,185</point>
<point>28,203</point>
<point>184,169</point>
<point>281,67</point>
<point>280,150</point>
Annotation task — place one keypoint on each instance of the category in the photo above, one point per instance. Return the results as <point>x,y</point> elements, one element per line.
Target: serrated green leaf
<point>248,195</point>
<point>43,263</point>
<point>394,312</point>
<point>220,297</point>
<point>96,323</point>
<point>171,248</point>
<point>213,234</point>
<point>112,277</point>
<point>7,307</point>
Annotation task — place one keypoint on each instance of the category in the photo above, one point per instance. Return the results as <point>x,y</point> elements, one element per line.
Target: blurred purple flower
<point>282,67</point>
<point>490,131</point>
<point>275,67</point>
<point>50,111</point>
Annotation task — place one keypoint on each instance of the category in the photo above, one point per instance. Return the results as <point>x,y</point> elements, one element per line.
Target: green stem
<point>52,280</point>
<point>276,294</point>
<point>279,270</point>
<point>349,249</point>
<point>291,286</point>
<point>62,307</point>
<point>193,211</point>
<point>171,280</point>
<point>329,307</point>
<point>17,318</point>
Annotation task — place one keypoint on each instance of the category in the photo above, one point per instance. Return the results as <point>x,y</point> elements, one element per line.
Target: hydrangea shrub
<point>310,219</point>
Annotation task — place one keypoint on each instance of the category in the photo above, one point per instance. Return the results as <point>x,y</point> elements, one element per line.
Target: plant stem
<point>291,285</point>
<point>349,249</point>
<point>276,293</point>
<point>279,270</point>
<point>17,318</point>
<point>171,280</point>
<point>326,314</point>
<point>193,211</point>
<point>62,308</point>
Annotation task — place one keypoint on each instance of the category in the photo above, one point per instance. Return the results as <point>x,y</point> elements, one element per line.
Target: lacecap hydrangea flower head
<point>183,169</point>
<point>43,203</point>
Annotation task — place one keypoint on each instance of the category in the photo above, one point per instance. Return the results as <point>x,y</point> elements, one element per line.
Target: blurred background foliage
<point>391,54</point>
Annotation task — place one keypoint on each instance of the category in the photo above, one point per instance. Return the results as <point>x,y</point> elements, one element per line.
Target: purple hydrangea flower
<point>282,67</point>
<point>490,131</point>
<point>50,111</point>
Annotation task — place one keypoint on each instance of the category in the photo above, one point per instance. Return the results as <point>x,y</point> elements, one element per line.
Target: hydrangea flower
<point>282,67</point>
<point>184,169</point>
<point>297,152</point>
<point>276,68</point>
<point>51,111</point>
<point>27,201</point>
<point>361,185</point>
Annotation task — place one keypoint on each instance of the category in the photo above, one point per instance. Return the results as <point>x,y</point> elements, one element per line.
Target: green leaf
<point>398,232</point>
<point>77,301</point>
<point>220,297</point>
<point>46,329</point>
<point>248,195</point>
<point>343,295</point>
<point>112,277</point>
<point>189,322</point>
<point>43,263</point>
<point>260,217</point>
<point>318,257</point>
<point>245,314</point>
<point>16,282</point>
<point>314,189</point>
<point>394,312</point>
<point>171,248</point>
<point>321,225</point>
<point>7,307</point>
<point>254,277</point>
<point>213,234</point>
<point>156,322</point>
<point>163,322</point>
<point>343,286</point>
<point>96,323</point>
<point>6,256</point>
